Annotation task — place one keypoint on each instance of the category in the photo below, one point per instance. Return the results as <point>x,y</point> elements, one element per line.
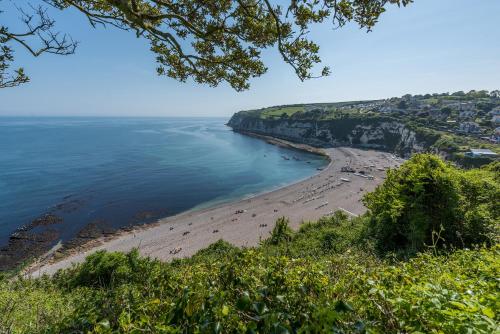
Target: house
<point>469,127</point>
<point>467,114</point>
<point>467,106</point>
<point>477,152</point>
<point>495,138</point>
<point>495,111</point>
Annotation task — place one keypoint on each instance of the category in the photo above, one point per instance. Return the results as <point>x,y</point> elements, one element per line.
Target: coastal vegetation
<point>423,259</point>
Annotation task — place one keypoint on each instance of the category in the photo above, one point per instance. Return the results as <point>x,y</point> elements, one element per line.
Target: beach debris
<point>215,231</point>
<point>175,250</point>
<point>312,199</point>
<point>275,210</point>
<point>189,224</point>
<point>234,219</point>
<point>254,215</point>
<point>186,233</point>
<point>171,228</point>
<point>239,211</point>
<point>322,205</point>
<point>347,169</point>
<point>262,225</point>
<point>319,168</point>
<point>345,180</point>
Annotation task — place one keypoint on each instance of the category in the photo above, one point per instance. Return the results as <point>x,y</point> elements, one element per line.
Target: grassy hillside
<point>330,276</point>
<point>440,119</point>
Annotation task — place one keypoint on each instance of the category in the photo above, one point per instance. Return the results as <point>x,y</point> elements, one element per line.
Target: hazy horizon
<point>424,48</point>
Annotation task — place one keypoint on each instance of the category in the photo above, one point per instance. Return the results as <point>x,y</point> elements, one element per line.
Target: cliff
<point>379,132</point>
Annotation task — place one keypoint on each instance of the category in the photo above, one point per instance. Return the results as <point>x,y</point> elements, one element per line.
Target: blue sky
<point>431,46</point>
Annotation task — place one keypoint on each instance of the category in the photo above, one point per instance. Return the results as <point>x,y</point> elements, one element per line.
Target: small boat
<point>284,157</point>
<point>345,180</point>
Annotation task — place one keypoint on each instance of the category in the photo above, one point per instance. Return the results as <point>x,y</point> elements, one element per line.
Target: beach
<point>245,222</point>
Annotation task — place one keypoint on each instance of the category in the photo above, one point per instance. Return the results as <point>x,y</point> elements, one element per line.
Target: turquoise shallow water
<point>123,171</point>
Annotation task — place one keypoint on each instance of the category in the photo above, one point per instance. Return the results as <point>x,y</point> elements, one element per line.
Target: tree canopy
<point>208,41</point>
<point>428,202</point>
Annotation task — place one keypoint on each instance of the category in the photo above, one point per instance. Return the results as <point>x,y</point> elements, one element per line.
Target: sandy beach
<point>245,222</point>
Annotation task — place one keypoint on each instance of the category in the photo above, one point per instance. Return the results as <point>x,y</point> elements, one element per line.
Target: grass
<point>277,112</point>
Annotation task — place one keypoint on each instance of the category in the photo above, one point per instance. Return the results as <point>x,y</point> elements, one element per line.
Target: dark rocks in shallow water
<point>29,241</point>
<point>46,220</point>
<point>25,244</point>
<point>91,231</point>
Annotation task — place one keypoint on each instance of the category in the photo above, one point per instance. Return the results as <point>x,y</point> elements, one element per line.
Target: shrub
<point>281,232</point>
<point>426,196</point>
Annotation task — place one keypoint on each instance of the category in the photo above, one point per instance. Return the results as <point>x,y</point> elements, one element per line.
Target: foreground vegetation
<point>330,276</point>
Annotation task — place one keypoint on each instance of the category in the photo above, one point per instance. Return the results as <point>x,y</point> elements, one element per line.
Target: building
<point>469,127</point>
<point>495,111</point>
<point>478,152</point>
<point>495,138</point>
<point>467,106</point>
<point>467,114</point>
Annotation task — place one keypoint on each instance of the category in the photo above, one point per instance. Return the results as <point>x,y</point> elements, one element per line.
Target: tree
<point>39,27</point>
<point>427,202</point>
<point>402,104</point>
<point>208,41</point>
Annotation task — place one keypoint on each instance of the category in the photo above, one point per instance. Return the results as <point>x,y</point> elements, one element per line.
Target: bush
<point>280,233</point>
<point>427,202</point>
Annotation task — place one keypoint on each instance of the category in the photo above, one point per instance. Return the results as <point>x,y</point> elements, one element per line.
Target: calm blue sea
<point>122,171</point>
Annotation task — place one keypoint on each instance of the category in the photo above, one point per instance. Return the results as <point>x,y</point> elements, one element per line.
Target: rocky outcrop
<point>383,133</point>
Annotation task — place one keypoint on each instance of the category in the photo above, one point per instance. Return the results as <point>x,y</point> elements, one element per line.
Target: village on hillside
<point>467,123</point>
<point>476,113</point>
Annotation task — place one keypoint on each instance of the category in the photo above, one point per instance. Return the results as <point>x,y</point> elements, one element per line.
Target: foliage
<point>265,290</point>
<point>38,26</point>
<point>428,202</point>
<point>281,232</point>
<point>210,41</point>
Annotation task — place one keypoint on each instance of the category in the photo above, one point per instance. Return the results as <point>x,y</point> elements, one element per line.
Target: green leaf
<point>341,306</point>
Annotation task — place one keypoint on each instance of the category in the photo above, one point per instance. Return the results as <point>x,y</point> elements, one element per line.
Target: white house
<point>469,127</point>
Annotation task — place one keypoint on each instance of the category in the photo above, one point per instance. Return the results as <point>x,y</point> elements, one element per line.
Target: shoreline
<point>52,256</point>
<point>241,222</point>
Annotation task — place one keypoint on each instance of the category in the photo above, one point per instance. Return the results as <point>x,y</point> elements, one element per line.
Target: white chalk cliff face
<point>373,133</point>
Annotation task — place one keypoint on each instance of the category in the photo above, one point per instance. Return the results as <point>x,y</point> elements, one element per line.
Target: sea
<point>120,172</point>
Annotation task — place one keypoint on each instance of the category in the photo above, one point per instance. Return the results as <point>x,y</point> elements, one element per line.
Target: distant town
<point>459,126</point>
<point>476,113</point>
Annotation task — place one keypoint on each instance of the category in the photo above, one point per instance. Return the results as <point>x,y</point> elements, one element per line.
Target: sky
<point>429,47</point>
